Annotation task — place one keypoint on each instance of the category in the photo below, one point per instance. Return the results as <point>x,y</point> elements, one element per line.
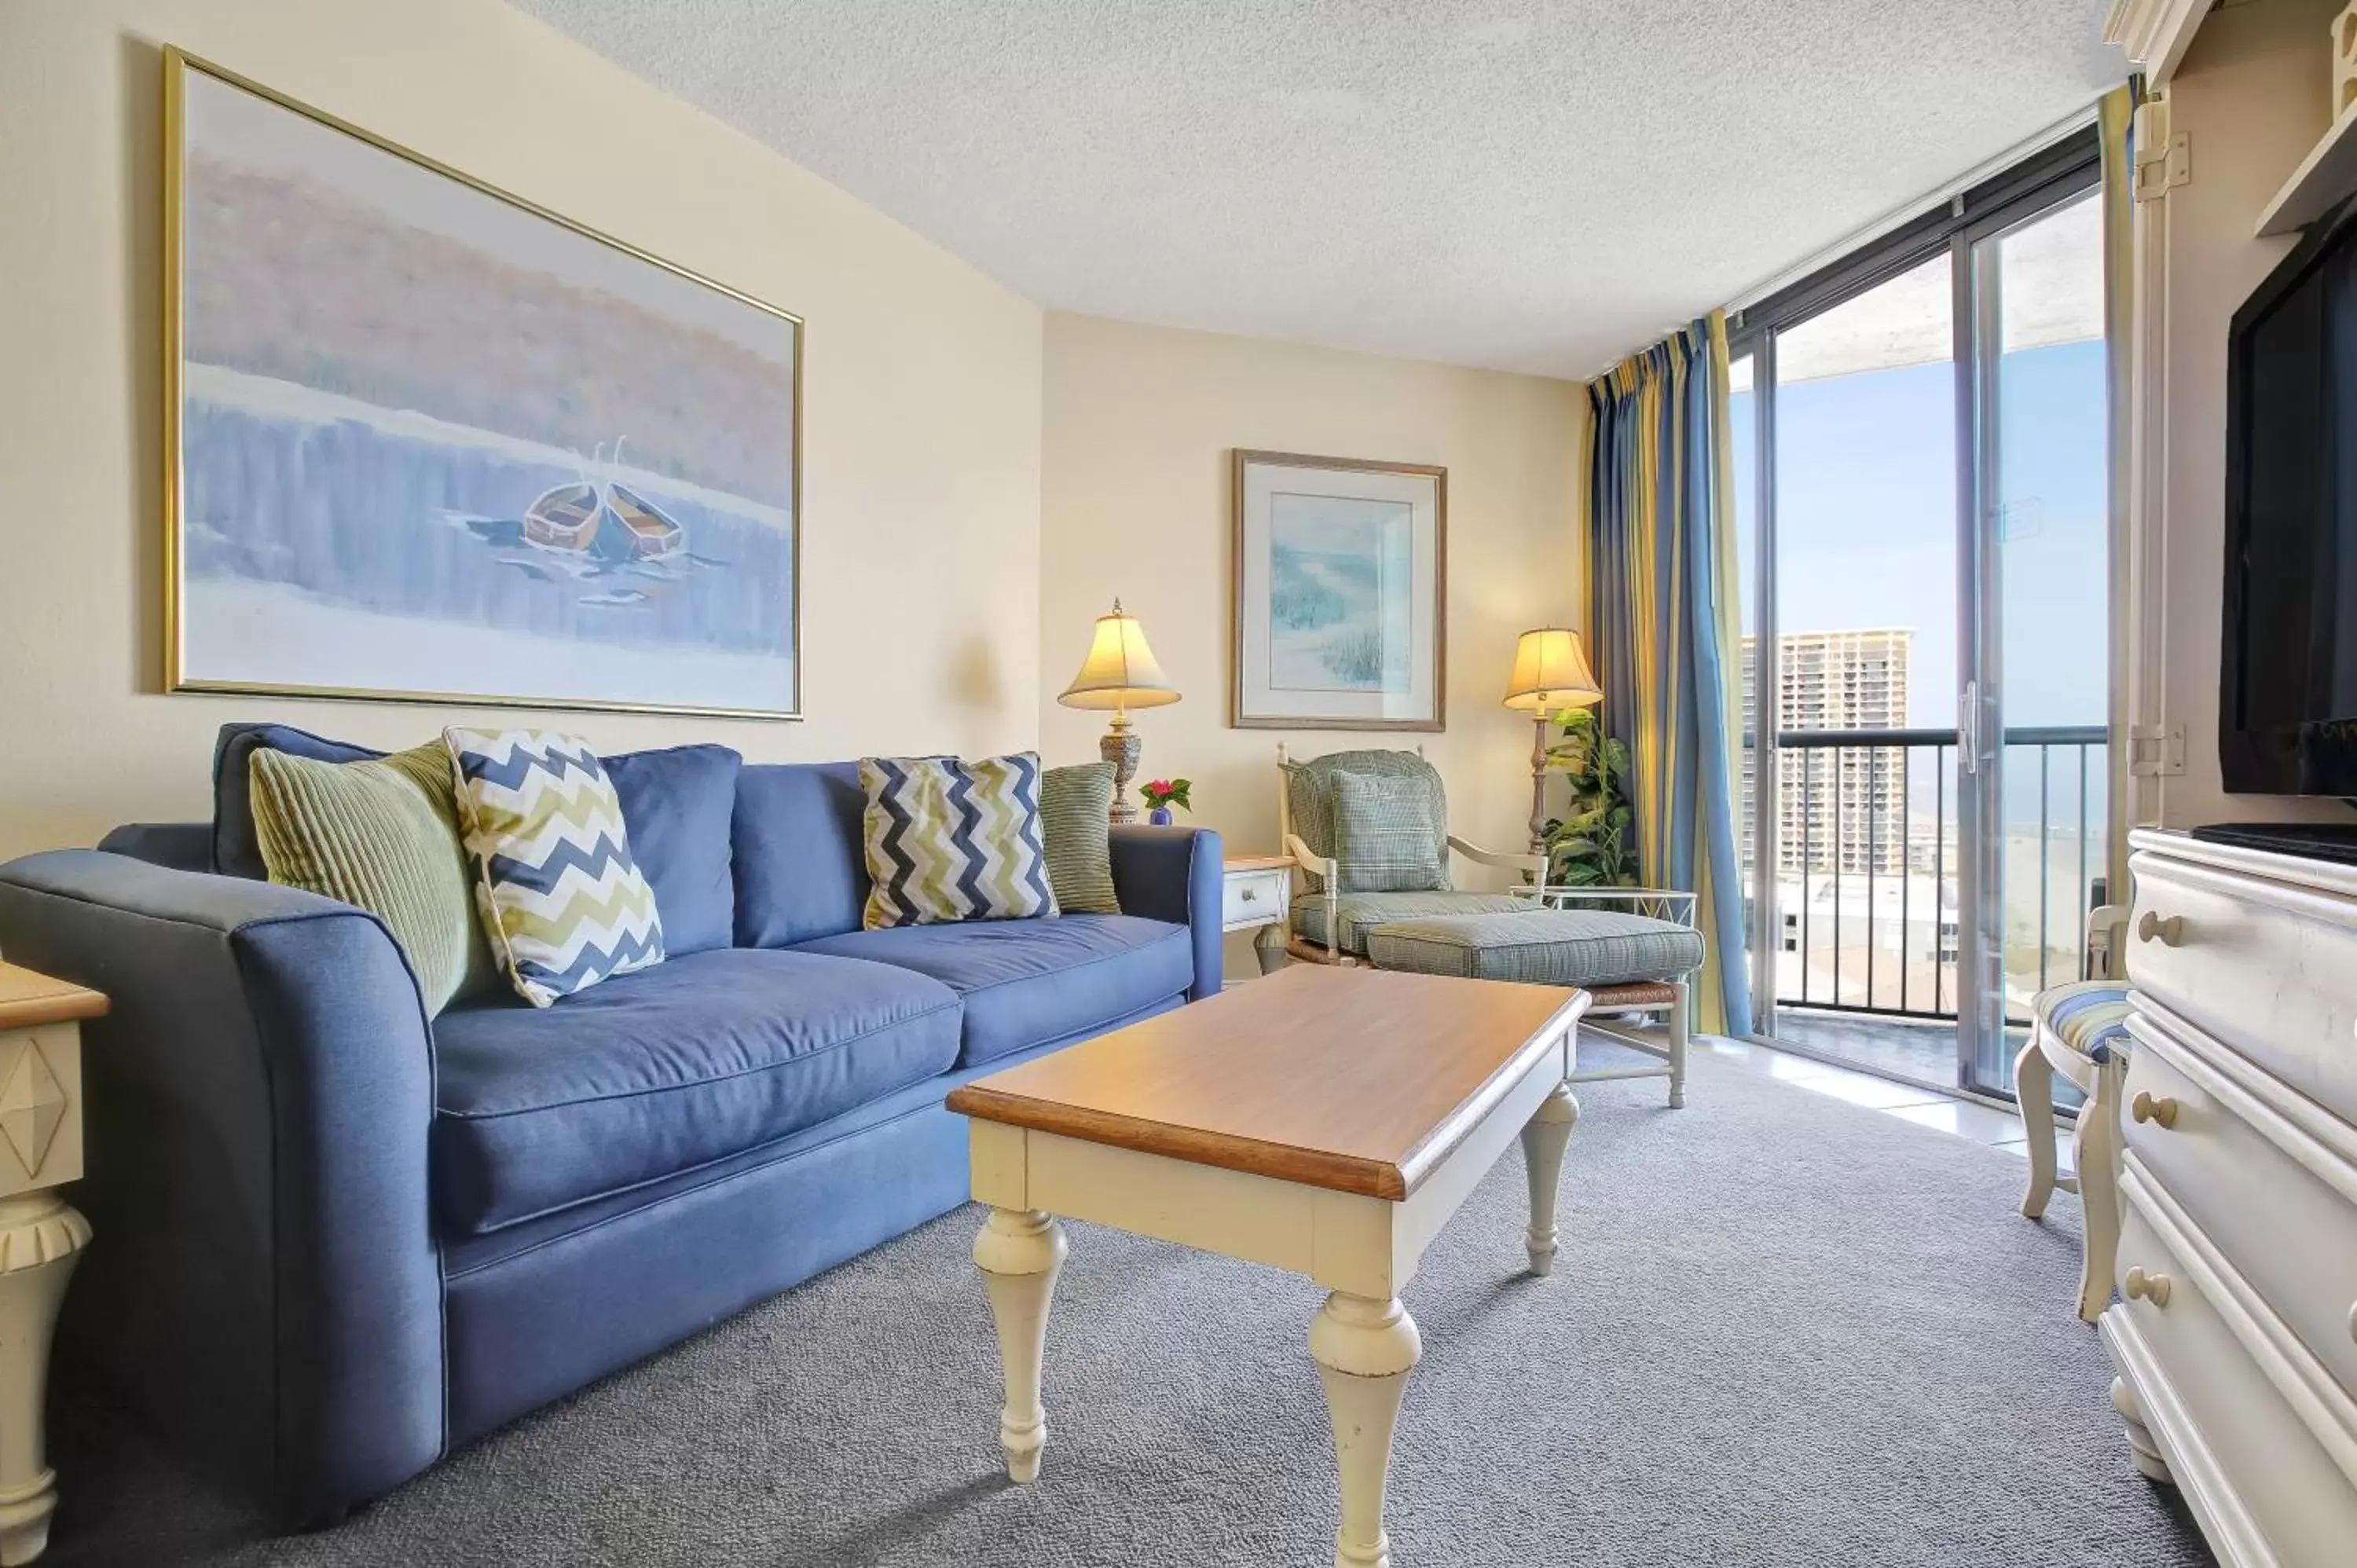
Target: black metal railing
<point>1846,825</point>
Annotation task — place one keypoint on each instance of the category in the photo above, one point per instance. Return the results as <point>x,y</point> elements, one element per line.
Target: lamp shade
<point>1120,671</point>
<point>1551,672</point>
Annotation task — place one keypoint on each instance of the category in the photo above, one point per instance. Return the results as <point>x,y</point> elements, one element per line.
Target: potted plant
<point>1590,848</point>
<point>1161,794</point>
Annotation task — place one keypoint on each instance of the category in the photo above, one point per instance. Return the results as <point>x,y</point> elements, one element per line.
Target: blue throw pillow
<point>677,805</point>
<point>237,849</point>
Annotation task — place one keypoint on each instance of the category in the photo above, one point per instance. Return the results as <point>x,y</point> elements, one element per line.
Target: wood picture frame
<point>1338,593</point>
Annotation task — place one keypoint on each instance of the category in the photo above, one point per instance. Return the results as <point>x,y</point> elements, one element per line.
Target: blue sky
<point>1866,470</point>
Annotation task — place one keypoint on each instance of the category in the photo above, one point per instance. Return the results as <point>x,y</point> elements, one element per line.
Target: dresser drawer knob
<point>2168,933</point>
<point>2153,1288</point>
<point>2144,1107</point>
<point>1249,894</point>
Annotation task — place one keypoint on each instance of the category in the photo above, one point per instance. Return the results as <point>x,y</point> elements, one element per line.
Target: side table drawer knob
<point>2144,1107</point>
<point>2153,1288</point>
<point>2168,932</point>
<point>1249,895</point>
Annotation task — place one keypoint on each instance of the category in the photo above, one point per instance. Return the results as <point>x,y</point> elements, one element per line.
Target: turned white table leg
<point>1019,1254</point>
<point>2143,1452</point>
<point>40,1239</point>
<point>1364,1350</point>
<point>1544,1137</point>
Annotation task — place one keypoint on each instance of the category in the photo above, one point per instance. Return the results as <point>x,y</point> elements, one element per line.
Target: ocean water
<point>405,522</point>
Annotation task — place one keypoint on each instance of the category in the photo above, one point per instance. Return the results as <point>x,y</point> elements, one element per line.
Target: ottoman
<point>1630,963</point>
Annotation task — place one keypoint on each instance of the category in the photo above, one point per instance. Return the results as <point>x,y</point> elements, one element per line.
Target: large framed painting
<point>427,441</point>
<point>1341,589</point>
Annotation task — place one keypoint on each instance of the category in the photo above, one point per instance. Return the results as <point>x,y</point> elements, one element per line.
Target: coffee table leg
<point>1019,1252</point>
<point>1543,1136</point>
<point>1364,1349</point>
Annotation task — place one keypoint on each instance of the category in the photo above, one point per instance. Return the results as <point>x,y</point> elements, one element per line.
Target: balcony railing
<point>1856,864</point>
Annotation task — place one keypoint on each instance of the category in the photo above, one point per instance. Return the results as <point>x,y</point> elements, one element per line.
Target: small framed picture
<point>1339,594</point>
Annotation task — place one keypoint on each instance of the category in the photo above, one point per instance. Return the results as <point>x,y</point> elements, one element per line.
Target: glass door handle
<point>1968,727</point>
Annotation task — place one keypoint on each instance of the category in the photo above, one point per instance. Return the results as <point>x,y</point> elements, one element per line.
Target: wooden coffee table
<point>1325,1120</point>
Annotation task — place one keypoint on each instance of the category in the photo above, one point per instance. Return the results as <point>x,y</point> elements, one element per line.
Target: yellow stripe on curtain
<point>1662,585</point>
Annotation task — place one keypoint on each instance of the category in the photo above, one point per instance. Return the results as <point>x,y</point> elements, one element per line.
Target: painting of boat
<point>565,517</point>
<point>652,532</point>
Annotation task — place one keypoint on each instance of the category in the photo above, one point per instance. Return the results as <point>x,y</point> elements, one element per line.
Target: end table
<point>1258,896</point>
<point>40,1236</point>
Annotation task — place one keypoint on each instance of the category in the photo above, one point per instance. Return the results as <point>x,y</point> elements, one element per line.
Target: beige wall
<point>1139,425</point>
<point>920,481</point>
<point>2253,96</point>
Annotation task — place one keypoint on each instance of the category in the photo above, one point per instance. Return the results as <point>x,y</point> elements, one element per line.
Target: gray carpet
<point>1782,1331</point>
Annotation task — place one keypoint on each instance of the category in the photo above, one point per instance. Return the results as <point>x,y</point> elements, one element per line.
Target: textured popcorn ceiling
<point>1527,184</point>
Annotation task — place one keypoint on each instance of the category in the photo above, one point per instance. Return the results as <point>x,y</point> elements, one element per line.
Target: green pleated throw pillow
<point>1076,818</point>
<point>383,836</point>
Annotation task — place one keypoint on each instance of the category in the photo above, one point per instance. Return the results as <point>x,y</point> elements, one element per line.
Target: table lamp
<point>1551,675</point>
<point>1120,673</point>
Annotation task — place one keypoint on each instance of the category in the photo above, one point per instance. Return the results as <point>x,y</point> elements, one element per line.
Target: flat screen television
<point>2287,692</point>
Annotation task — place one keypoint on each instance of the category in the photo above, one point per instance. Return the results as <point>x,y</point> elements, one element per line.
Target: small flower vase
<point>1159,816</point>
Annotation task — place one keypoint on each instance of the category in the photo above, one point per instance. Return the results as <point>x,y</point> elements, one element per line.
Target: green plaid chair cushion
<point>1382,833</point>
<point>1544,947</point>
<point>1309,787</point>
<point>1355,912</point>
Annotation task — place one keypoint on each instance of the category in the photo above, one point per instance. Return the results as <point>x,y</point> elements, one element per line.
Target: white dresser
<point>2236,1334</point>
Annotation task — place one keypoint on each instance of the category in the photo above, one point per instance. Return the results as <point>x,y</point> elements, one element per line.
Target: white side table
<point>1257,895</point>
<point>40,1236</point>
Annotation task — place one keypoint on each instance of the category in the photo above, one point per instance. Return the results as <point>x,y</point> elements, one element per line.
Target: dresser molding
<point>2303,1130</point>
<point>2297,1378</point>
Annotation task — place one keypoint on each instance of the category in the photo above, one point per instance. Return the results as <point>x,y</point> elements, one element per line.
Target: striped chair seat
<point>2090,1017</point>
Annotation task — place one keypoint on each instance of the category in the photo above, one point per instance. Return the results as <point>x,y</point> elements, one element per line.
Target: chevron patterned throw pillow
<point>954,841</point>
<point>561,901</point>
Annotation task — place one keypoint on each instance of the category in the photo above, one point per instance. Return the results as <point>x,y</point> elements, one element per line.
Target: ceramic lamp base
<point>1121,746</point>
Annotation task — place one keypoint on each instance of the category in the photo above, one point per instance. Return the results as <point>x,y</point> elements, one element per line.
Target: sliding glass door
<point>1920,452</point>
<point>2043,429</point>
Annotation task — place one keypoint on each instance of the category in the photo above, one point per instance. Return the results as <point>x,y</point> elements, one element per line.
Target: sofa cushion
<point>678,804</point>
<point>657,1072</point>
<point>799,862</point>
<point>1025,982</point>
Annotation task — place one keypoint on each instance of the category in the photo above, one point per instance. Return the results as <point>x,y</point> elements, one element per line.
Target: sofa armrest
<point>1174,873</point>
<point>264,1286</point>
<point>182,846</point>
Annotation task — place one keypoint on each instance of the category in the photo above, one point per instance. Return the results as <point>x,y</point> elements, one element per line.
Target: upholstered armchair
<point>1331,918</point>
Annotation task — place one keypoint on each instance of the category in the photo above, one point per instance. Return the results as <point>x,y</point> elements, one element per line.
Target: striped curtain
<point>1663,586</point>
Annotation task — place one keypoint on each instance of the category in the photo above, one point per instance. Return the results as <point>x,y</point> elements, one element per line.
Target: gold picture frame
<point>651,536</point>
<point>1258,646</point>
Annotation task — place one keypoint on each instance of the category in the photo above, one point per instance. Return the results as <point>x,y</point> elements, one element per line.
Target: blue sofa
<point>336,1241</point>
